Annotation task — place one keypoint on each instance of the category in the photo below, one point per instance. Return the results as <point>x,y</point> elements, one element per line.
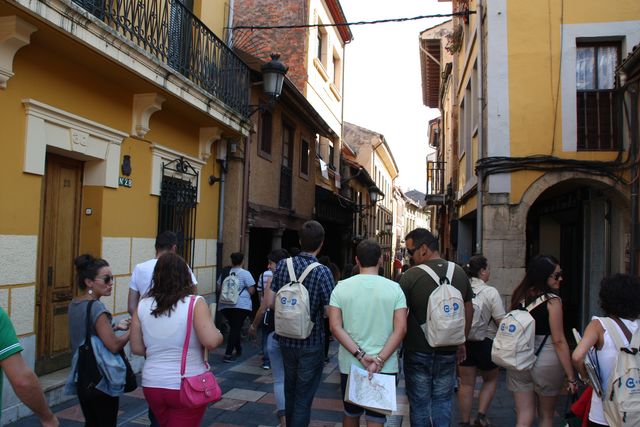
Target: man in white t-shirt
<point>143,272</point>
<point>236,313</point>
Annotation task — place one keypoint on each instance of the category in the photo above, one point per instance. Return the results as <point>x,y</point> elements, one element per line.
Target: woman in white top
<point>158,331</point>
<point>620,300</point>
<point>489,307</point>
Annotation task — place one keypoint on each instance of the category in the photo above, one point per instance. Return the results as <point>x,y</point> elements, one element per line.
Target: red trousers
<point>165,405</point>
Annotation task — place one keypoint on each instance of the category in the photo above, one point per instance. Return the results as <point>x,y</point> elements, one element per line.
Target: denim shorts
<point>355,411</point>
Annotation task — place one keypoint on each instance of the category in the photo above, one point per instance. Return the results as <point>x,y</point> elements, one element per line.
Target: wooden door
<point>58,248</point>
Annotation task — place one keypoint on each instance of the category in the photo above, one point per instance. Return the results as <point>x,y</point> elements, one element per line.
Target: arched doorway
<point>584,222</point>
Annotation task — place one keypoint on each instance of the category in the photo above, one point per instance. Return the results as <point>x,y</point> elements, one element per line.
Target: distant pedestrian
<point>490,309</point>
<point>304,358</point>
<point>347,271</point>
<point>158,332</point>
<point>238,312</point>
<point>538,389</point>
<point>368,316</point>
<point>429,372</point>
<point>264,318</point>
<point>620,301</point>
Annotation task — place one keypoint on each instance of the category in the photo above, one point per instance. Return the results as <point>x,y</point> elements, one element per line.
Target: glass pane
<point>585,67</point>
<point>607,62</point>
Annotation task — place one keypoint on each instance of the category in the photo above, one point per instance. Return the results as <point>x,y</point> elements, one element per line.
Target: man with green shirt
<point>22,379</point>
<point>368,316</point>
<point>429,372</point>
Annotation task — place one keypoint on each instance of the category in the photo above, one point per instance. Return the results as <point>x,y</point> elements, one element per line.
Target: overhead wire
<point>347,24</point>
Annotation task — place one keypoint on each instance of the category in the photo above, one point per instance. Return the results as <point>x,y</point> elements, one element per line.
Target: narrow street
<point>248,399</point>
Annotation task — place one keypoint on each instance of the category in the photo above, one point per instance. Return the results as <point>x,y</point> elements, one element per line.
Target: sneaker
<point>266,366</point>
<point>228,358</point>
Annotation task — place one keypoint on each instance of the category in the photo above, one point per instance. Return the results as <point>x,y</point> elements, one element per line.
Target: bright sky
<point>382,85</point>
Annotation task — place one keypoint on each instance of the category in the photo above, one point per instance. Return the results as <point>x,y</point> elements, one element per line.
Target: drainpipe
<point>230,31</point>
<point>223,178</point>
<point>481,143</point>
<point>635,188</point>
<point>245,194</point>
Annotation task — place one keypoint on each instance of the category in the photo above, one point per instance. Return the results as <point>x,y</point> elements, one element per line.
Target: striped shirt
<point>319,283</point>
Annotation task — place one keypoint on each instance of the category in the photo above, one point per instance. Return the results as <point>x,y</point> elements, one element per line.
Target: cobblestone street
<point>248,399</point>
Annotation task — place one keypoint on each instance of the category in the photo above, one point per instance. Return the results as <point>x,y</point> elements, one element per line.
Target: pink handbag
<point>198,390</point>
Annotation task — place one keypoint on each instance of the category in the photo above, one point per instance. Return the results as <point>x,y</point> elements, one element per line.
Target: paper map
<point>378,392</point>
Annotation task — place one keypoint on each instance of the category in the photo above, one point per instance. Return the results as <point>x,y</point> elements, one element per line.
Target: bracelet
<point>574,382</point>
<point>357,352</point>
<point>379,360</point>
<point>361,355</point>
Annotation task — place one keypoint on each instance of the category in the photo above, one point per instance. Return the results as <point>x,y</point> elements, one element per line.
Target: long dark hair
<point>534,282</point>
<point>87,267</point>
<point>171,283</point>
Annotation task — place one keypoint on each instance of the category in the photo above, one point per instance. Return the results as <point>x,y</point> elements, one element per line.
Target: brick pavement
<point>248,399</point>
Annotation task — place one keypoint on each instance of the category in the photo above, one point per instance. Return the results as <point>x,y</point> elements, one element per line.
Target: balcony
<point>436,192</point>
<point>170,32</point>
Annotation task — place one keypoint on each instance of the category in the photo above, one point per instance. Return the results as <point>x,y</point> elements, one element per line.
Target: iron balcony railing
<point>435,183</point>
<point>172,33</point>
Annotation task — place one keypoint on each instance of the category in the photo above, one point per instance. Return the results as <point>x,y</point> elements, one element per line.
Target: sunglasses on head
<point>105,279</point>
<point>557,276</point>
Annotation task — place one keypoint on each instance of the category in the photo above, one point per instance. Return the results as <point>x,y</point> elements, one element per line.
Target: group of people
<point>378,323</point>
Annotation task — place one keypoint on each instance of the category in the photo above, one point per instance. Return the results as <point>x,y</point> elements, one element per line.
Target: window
<point>304,157</point>
<point>337,70</point>
<point>266,127</point>
<point>321,42</point>
<point>597,110</point>
<point>286,175</point>
<point>331,154</point>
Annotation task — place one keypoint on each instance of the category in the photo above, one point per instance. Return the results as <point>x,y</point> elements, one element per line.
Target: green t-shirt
<point>9,344</point>
<point>368,303</point>
<point>417,286</point>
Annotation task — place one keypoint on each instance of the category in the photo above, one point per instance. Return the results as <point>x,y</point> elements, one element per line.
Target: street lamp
<point>273,73</point>
<point>273,77</point>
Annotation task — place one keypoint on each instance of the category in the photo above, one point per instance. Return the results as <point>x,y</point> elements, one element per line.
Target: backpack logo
<point>512,328</point>
<point>292,301</point>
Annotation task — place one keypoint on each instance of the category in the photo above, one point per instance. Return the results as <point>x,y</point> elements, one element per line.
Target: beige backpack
<point>444,324</point>
<point>621,401</point>
<point>292,308</point>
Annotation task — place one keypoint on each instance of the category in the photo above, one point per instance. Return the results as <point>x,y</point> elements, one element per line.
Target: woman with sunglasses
<point>94,280</point>
<point>539,388</point>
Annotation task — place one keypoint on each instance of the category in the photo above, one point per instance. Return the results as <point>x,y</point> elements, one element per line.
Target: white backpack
<point>478,331</point>
<point>230,289</point>
<point>621,401</point>
<point>514,344</point>
<point>444,324</point>
<point>292,309</point>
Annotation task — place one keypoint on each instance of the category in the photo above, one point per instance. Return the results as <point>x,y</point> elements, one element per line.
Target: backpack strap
<point>610,326</point>
<point>307,270</point>
<point>292,272</point>
<point>635,339</point>
<point>439,280</point>
<point>540,300</point>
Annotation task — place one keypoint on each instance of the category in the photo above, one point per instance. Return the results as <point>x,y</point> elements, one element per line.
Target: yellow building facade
<point>540,160</point>
<point>108,139</point>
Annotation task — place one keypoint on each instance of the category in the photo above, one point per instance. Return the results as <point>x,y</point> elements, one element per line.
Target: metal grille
<point>597,120</point>
<point>172,33</point>
<point>177,206</point>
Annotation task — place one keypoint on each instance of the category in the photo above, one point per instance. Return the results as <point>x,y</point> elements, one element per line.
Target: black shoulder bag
<point>87,368</point>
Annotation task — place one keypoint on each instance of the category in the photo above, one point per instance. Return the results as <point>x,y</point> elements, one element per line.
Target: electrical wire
<point>346,24</point>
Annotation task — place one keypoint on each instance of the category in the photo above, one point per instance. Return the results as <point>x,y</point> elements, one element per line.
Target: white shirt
<point>244,297</point>
<point>143,274</point>
<point>163,338</point>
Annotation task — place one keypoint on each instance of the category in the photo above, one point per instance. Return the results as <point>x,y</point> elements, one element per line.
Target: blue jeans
<point>303,370</point>
<point>277,372</point>
<point>429,381</point>
<point>265,351</point>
